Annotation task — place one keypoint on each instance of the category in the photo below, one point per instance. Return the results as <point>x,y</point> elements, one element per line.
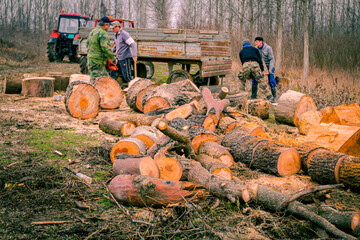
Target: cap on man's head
<point>105,20</point>
<point>246,42</point>
<point>116,24</point>
<point>259,39</point>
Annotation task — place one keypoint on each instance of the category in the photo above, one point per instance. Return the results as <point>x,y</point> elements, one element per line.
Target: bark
<point>217,151</point>
<point>306,150</point>
<point>349,172</point>
<point>306,43</point>
<point>38,87</point>
<point>118,128</point>
<point>147,134</point>
<point>199,134</point>
<point>259,108</point>
<point>180,124</point>
<point>201,120</point>
<point>138,89</point>
<point>110,92</point>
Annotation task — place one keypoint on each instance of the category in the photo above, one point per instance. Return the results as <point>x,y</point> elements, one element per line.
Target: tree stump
<point>146,134</point>
<point>306,150</point>
<point>118,128</point>
<point>38,87</point>
<point>12,86</point>
<point>79,77</point>
<point>82,100</point>
<point>199,134</point>
<point>111,94</point>
<point>218,152</point>
<point>57,77</point>
<point>349,172</point>
<point>136,166</point>
<point>291,105</point>
<point>132,146</point>
<point>64,82</point>
<point>215,167</point>
<point>136,92</point>
<point>259,108</point>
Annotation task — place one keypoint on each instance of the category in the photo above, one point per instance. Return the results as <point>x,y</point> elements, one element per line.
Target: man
<point>268,56</point>
<point>252,68</point>
<point>126,52</point>
<point>99,49</point>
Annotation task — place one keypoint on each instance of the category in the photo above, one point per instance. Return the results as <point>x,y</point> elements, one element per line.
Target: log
<point>110,92</point>
<point>79,77</point>
<point>148,191</point>
<point>169,167</point>
<point>323,167</point>
<point>30,75</point>
<point>57,79</point>
<point>146,134</point>
<point>275,159</point>
<point>215,167</point>
<point>12,86</point>
<point>132,146</point>
<point>38,87</point>
<point>199,134</point>
<point>306,150</point>
<point>349,172</point>
<point>248,127</point>
<point>140,97</point>
<point>201,120</point>
<point>226,124</point>
<point>180,124</point>
<point>136,166</point>
<point>118,128</point>
<point>160,111</point>
<point>183,111</point>
<point>238,100</point>
<point>82,100</point>
<point>137,118</point>
<point>342,115</point>
<point>136,89</point>
<point>217,151</point>
<point>259,108</point>
<point>291,105</point>
<point>307,120</point>
<point>341,138</point>
<point>223,93</point>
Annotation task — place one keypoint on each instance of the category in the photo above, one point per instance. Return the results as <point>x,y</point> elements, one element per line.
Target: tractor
<point>64,40</point>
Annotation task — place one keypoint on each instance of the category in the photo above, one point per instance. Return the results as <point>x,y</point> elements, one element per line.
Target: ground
<point>35,186</point>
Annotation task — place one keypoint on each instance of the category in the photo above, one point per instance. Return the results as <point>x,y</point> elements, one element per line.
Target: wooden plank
<point>215,62</point>
<point>209,32</point>
<point>216,67</point>
<point>216,73</point>
<point>214,44</point>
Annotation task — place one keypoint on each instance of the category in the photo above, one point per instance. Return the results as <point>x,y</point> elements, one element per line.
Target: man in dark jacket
<point>253,68</point>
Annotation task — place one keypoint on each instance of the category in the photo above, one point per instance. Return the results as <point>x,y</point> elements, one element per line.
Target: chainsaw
<point>111,66</point>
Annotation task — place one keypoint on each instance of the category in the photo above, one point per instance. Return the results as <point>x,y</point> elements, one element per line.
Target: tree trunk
<point>136,166</point>
<point>136,92</point>
<point>306,150</point>
<point>279,37</point>
<point>110,92</point>
<point>259,108</point>
<point>215,167</point>
<point>306,44</point>
<point>132,146</point>
<point>118,128</point>
<point>217,151</point>
<point>82,100</point>
<point>38,87</point>
<point>199,134</point>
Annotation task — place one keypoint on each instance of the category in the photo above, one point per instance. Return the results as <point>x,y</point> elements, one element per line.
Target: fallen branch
<point>52,222</point>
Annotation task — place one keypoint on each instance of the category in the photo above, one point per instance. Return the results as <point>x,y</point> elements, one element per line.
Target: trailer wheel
<point>179,75</point>
<point>84,68</point>
<point>150,69</point>
<point>214,80</point>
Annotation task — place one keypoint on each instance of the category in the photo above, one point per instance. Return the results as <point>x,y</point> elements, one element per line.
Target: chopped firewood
<point>129,145</point>
<point>118,128</point>
<point>82,100</point>
<point>110,92</point>
<point>217,151</point>
<point>214,166</point>
<point>183,111</point>
<point>199,134</point>
<point>146,134</point>
<point>136,166</point>
<point>149,191</point>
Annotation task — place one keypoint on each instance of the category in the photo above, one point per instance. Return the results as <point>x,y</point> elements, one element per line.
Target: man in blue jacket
<point>268,56</point>
<point>253,68</point>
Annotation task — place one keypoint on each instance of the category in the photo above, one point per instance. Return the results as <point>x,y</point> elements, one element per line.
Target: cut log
<point>110,92</point>
<point>341,138</point>
<point>226,124</point>
<point>223,93</point>
<point>130,146</point>
<point>137,89</point>
<point>169,167</point>
<point>79,77</point>
<point>183,111</point>
<point>146,134</point>
<point>259,108</point>
<point>306,150</point>
<point>218,152</point>
<point>57,79</point>
<point>248,127</point>
<point>118,128</point>
<point>64,82</point>
<point>291,105</point>
<point>148,191</point>
<point>180,124</point>
<point>307,120</point>
<point>215,167</point>
<point>137,118</point>
<point>160,111</point>
<point>12,86</point>
<point>349,172</point>
<point>199,134</point>
<point>201,120</point>
<point>140,97</point>
<point>38,87</point>
<point>82,100</point>
<point>238,100</point>
<point>323,166</point>
<point>136,166</point>
<point>342,115</point>
<point>276,159</point>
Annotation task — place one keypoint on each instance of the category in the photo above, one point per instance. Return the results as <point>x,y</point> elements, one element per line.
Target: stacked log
<point>238,100</point>
<point>118,128</point>
<point>217,151</point>
<point>183,111</point>
<point>131,146</point>
<point>215,167</point>
<point>136,166</point>
<point>306,150</point>
<point>259,108</point>
<point>136,93</point>
<point>110,92</point>
<point>199,135</point>
<point>169,167</point>
<point>146,134</point>
<point>38,87</point>
<point>201,120</point>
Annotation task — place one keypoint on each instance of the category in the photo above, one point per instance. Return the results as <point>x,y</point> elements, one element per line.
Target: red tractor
<point>64,40</point>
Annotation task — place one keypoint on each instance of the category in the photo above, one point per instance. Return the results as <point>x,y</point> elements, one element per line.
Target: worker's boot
<point>254,89</point>
<point>273,92</point>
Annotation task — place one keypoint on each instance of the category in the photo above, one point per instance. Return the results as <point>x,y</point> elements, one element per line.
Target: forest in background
<point>328,28</point>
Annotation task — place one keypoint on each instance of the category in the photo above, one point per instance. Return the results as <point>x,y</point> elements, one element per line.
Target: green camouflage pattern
<point>251,70</point>
<point>98,47</point>
<point>97,70</point>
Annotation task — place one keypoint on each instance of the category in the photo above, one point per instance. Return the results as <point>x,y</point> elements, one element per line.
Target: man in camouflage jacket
<point>99,49</point>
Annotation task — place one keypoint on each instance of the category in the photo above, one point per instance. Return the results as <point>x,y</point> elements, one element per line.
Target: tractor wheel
<point>73,56</point>
<point>150,69</point>
<point>141,70</point>
<point>84,68</point>
<point>214,80</point>
<point>179,75</point>
<point>51,52</point>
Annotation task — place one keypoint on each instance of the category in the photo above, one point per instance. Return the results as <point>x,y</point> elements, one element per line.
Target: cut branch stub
<point>110,92</point>
<point>216,151</point>
<point>199,134</point>
<point>136,166</point>
<point>118,128</point>
<point>82,100</point>
<point>129,145</point>
<point>215,167</point>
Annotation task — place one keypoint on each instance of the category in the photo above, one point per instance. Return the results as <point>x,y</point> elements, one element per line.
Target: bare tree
<point>306,43</point>
<point>279,26</point>
<point>162,10</point>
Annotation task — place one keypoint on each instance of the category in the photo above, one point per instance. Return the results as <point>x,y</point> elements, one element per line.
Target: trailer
<point>208,49</point>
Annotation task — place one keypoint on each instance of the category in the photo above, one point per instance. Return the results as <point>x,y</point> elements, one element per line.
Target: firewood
<point>183,111</point>
<point>110,92</point>
<point>307,120</point>
<point>136,166</point>
<point>306,150</point>
<point>199,134</point>
<point>169,167</point>
<point>149,191</point>
<point>291,105</point>
<point>223,93</point>
<point>342,115</point>
<point>214,105</point>
<point>146,134</point>
<point>217,151</point>
<point>128,145</point>
<point>259,108</point>
<point>349,172</point>
<point>201,120</point>
<point>38,87</point>
<point>215,167</point>
<point>118,128</point>
<point>137,91</point>
<point>82,100</point>
<point>137,118</point>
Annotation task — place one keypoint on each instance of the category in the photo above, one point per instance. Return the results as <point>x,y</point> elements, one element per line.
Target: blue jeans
<point>125,67</point>
<point>271,79</point>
